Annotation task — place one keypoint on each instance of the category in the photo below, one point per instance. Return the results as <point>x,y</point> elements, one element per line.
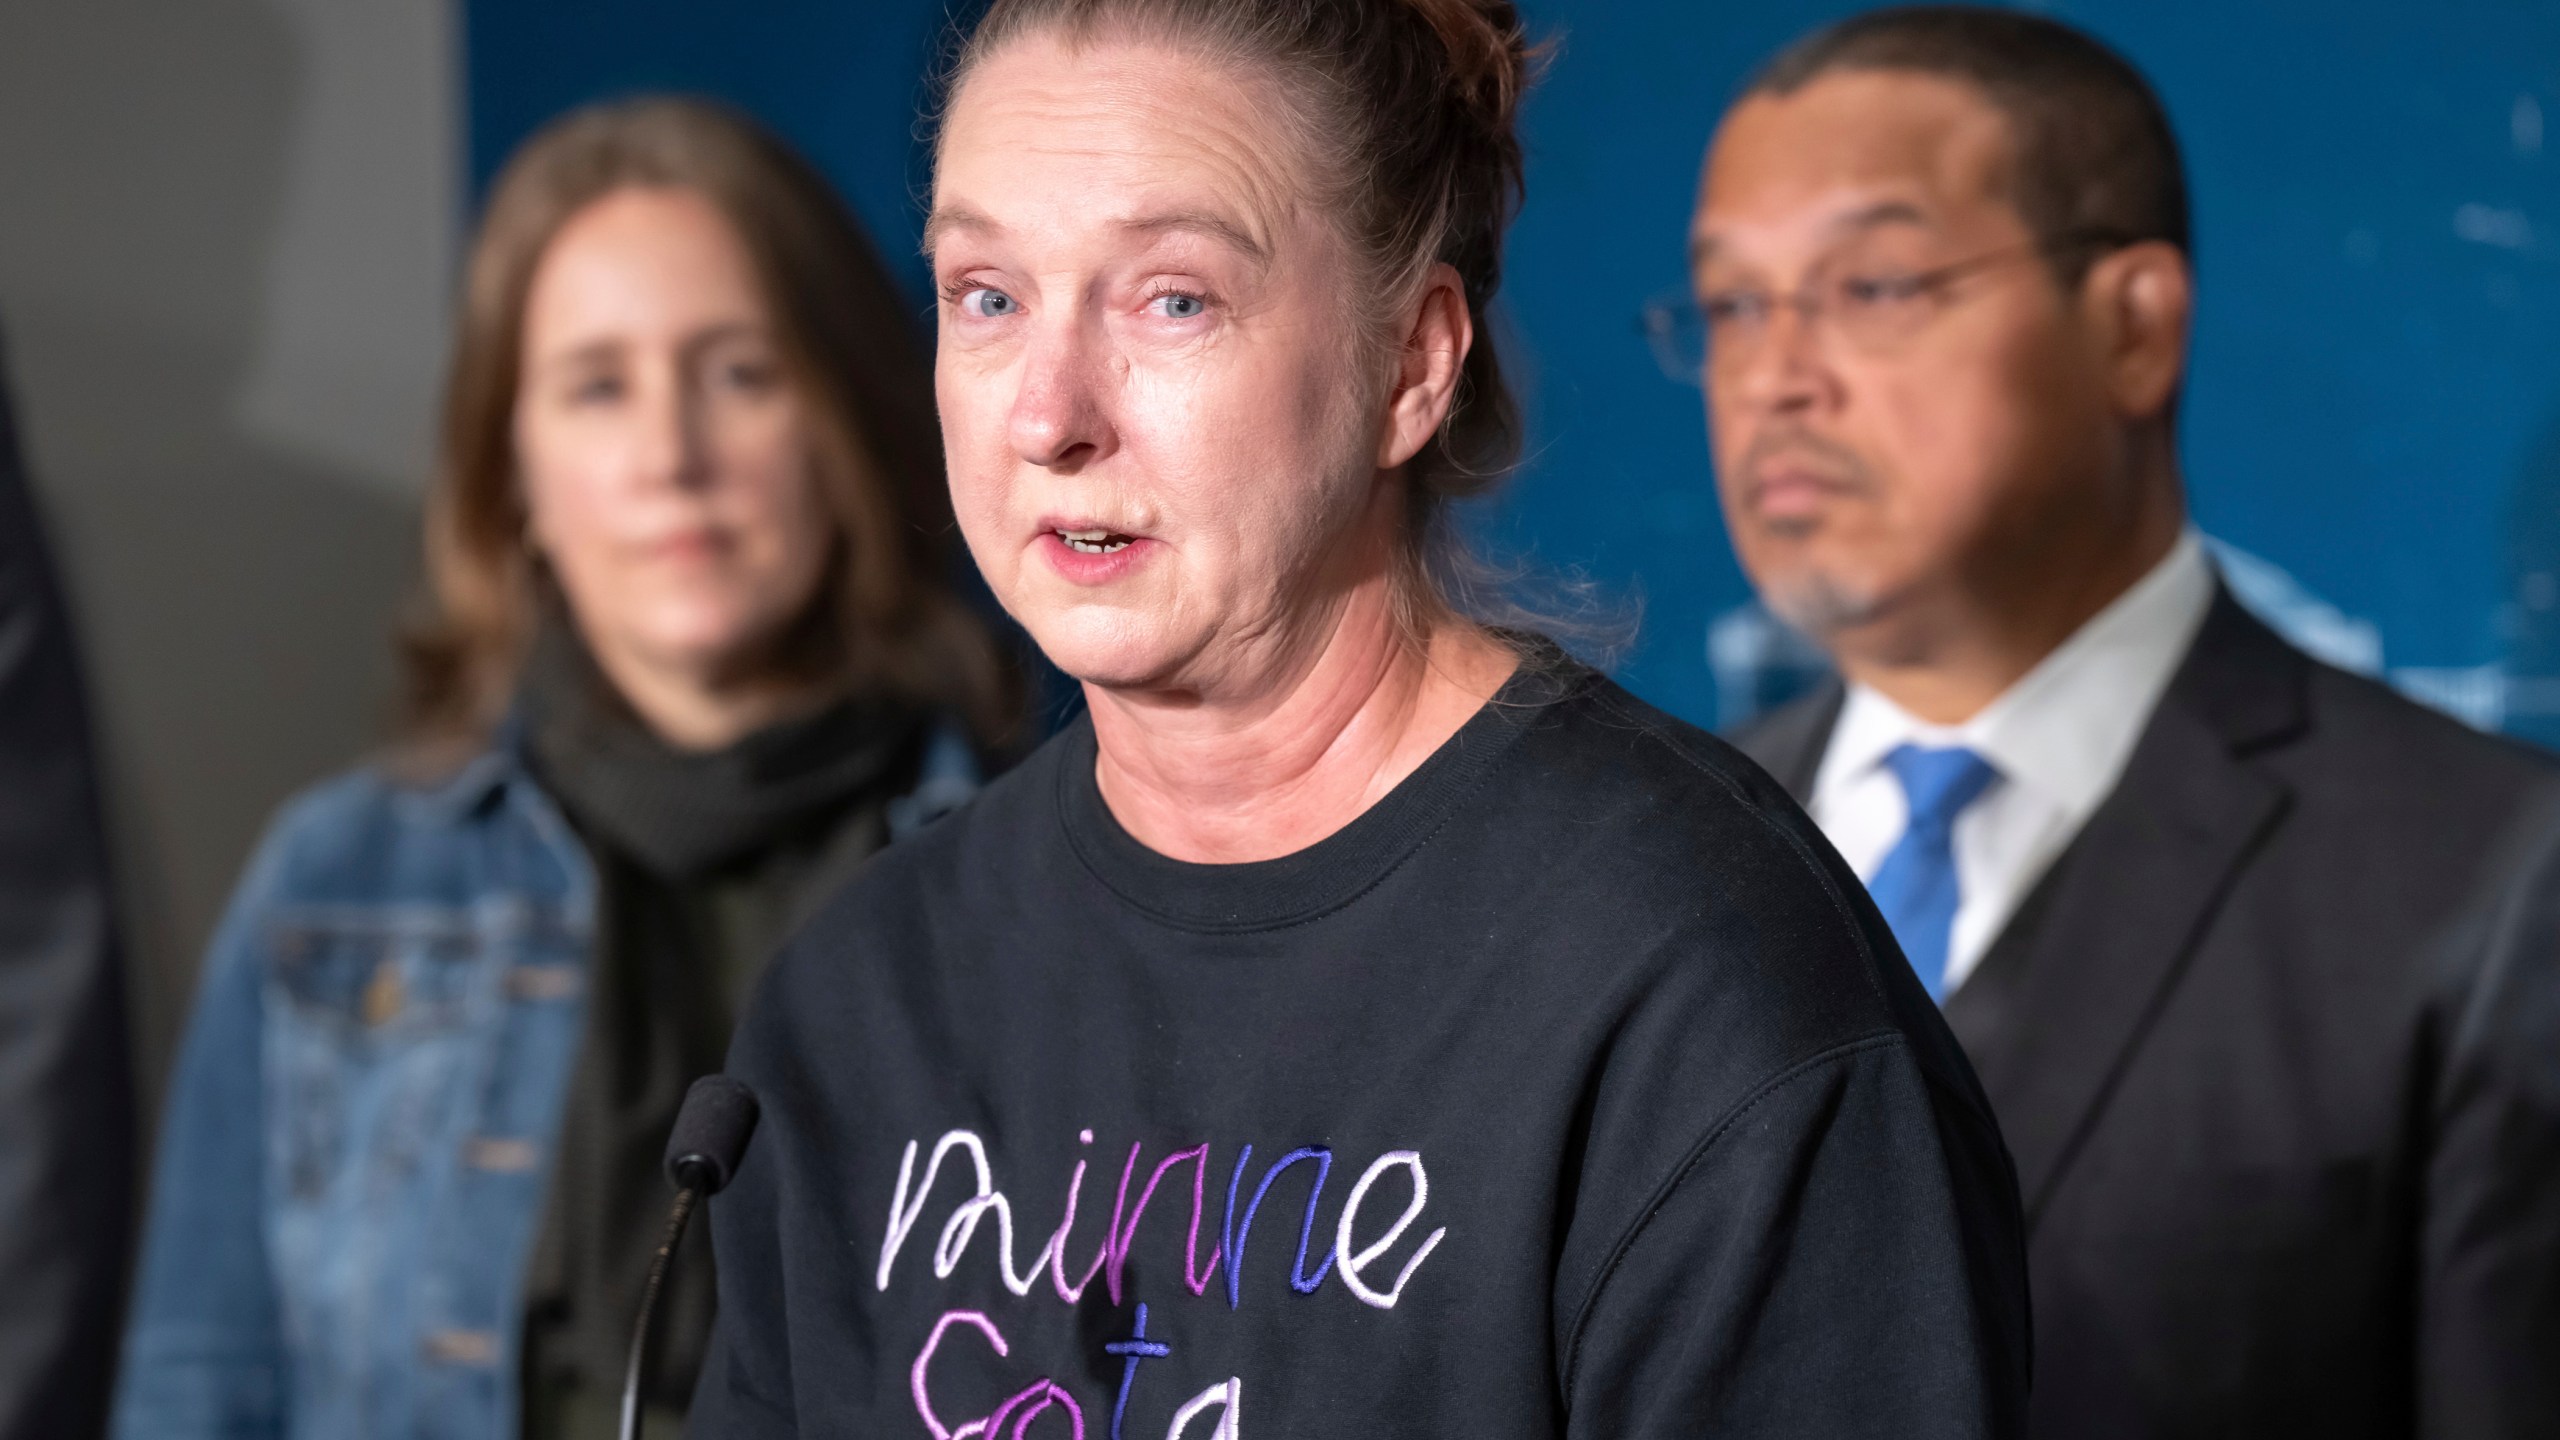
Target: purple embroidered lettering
<point>1119,1238</point>
<point>1058,1242</point>
<point>1355,1260</point>
<point>1134,1349</point>
<point>1194,1275</point>
<point>1227,1241</point>
<point>1233,1240</point>
<point>1031,1402</point>
<point>924,1359</point>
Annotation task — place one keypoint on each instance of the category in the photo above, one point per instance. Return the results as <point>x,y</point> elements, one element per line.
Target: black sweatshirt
<point>1573,1090</point>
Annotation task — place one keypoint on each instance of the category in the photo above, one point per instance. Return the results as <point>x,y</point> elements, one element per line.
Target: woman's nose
<point>670,439</point>
<point>1058,420</point>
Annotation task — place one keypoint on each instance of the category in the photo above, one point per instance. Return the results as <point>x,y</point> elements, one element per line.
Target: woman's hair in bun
<point>1409,110</point>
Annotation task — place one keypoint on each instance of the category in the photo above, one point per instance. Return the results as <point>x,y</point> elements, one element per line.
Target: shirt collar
<point>2067,727</point>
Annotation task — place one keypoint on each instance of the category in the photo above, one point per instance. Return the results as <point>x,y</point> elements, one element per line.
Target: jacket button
<point>383,995</point>
<point>501,1154</point>
<point>462,1347</point>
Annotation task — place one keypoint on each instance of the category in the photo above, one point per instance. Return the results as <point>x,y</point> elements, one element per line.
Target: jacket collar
<point>2065,996</point>
<point>481,780</point>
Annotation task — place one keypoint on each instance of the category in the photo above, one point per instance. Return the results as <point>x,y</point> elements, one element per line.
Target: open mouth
<point>1093,542</point>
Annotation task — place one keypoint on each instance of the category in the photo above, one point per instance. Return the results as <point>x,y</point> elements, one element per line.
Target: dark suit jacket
<point>2276,1045</point>
<point>66,1104</point>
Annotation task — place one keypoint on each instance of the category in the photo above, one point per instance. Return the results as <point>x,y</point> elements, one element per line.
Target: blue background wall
<point>2375,403</point>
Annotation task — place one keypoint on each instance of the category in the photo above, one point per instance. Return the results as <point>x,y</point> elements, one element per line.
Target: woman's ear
<point>1432,356</point>
<point>2140,300</point>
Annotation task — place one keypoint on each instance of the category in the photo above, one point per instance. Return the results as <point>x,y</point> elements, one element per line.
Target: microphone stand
<point>712,1128</point>
<point>635,1371</point>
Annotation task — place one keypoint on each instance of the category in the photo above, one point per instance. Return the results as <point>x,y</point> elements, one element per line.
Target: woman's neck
<point>1261,775</point>
<point>700,710</point>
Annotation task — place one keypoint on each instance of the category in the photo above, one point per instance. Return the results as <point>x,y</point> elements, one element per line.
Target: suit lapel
<point>2064,998</point>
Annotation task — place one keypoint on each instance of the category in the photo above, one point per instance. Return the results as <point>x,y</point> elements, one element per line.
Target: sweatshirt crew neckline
<point>1305,884</point>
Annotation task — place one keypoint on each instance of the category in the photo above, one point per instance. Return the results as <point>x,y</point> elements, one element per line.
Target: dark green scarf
<point>705,861</point>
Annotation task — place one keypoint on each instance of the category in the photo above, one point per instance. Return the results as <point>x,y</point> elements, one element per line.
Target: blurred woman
<point>691,658</point>
<point>1586,1094</point>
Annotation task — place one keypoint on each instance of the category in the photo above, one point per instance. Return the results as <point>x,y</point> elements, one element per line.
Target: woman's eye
<point>750,376</point>
<point>595,390</point>
<point>1177,305</point>
<point>985,304</point>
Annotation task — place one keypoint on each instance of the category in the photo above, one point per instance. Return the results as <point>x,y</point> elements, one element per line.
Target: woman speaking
<point>1364,1021</point>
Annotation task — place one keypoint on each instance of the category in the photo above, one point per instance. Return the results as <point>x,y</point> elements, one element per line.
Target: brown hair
<point>846,338</point>
<point>1408,108</point>
<point>2096,159</point>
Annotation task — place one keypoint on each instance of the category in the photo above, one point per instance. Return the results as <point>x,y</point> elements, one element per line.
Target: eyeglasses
<point>1873,312</point>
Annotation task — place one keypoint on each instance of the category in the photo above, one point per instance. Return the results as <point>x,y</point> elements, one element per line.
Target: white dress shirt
<point>2060,739</point>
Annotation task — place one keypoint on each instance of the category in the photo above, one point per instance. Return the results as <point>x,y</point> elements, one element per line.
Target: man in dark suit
<point>2259,963</point>
<point>66,1104</point>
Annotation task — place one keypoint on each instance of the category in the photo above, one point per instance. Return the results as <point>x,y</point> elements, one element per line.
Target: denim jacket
<point>360,1127</point>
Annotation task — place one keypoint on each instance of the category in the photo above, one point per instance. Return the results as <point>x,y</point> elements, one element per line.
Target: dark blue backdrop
<point>2375,405</point>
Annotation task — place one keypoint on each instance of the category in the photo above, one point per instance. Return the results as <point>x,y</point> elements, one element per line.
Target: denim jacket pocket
<point>371,1031</point>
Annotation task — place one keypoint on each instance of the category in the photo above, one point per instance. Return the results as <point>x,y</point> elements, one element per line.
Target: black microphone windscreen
<point>711,1134</point>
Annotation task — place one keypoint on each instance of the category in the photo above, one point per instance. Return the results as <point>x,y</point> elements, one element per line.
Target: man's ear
<point>1429,361</point>
<point>2140,301</point>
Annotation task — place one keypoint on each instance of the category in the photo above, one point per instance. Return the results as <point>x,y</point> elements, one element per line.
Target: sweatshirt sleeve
<point>1837,1257</point>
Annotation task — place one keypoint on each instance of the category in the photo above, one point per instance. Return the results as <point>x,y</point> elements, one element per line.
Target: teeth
<point>1093,542</point>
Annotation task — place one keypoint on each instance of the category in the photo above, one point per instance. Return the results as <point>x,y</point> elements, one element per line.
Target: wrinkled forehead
<point>1048,137</point>
<point>1851,152</point>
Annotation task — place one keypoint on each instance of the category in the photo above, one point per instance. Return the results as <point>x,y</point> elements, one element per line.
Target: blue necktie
<point>1915,887</point>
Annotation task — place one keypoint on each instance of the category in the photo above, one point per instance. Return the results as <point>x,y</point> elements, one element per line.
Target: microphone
<point>710,1136</point>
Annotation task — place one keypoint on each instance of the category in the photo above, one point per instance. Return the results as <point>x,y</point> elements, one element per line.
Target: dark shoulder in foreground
<point>1654,753</point>
<point>1694,835</point>
<point>1778,968</point>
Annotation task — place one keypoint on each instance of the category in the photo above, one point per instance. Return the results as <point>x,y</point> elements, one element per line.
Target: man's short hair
<point>2095,156</point>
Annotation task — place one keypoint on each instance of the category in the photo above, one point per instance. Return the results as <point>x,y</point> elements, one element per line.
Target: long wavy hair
<point>887,620</point>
